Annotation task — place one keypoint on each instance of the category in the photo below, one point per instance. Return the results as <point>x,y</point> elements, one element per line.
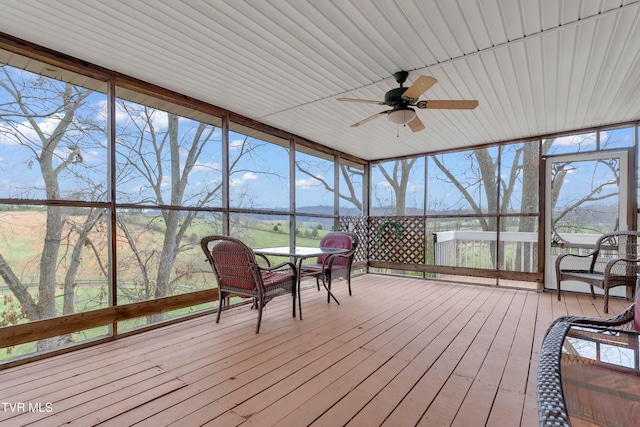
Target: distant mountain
<point>318,210</point>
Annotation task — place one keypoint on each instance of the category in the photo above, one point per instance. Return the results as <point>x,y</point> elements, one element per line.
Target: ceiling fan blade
<point>416,124</point>
<point>364,101</point>
<point>418,87</point>
<point>448,104</point>
<point>368,119</point>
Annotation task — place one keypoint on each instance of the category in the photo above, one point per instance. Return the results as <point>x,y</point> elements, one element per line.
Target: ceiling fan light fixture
<point>401,116</point>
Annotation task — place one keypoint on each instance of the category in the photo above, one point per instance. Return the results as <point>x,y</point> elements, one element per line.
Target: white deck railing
<point>519,251</point>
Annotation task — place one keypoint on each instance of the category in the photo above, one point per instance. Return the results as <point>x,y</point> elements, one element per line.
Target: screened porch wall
<point>122,168</point>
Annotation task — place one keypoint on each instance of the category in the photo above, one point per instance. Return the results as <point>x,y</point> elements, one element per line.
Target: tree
<point>349,174</point>
<point>398,178</point>
<point>158,155</point>
<point>55,125</point>
<point>58,130</point>
<point>564,216</point>
<point>478,179</point>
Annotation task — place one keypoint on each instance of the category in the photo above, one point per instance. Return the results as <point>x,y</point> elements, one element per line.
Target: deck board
<point>400,351</point>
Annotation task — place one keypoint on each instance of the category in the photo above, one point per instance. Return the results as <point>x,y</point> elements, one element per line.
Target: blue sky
<point>260,179</point>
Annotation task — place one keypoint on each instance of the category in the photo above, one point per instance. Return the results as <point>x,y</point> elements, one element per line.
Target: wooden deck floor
<point>400,352</point>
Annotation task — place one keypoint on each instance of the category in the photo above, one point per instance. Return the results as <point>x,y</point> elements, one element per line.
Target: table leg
<point>324,283</point>
<point>298,286</point>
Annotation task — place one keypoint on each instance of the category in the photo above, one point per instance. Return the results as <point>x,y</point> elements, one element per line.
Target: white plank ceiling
<point>535,66</point>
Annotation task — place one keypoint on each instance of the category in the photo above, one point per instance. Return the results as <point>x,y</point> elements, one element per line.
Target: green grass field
<point>91,290</point>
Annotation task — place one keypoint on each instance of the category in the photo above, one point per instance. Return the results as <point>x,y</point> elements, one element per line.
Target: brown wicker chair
<point>327,266</point>
<point>238,273</point>
<point>613,262</point>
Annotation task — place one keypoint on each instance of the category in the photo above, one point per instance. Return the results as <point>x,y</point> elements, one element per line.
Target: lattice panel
<point>397,239</point>
<point>358,225</point>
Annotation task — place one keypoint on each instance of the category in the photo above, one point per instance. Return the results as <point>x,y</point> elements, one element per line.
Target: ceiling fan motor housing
<point>394,97</point>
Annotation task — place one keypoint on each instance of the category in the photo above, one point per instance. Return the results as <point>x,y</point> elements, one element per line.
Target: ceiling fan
<point>401,100</point>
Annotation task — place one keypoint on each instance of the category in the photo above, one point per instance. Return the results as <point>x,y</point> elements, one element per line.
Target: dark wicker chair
<point>551,407</point>
<point>328,266</point>
<point>238,273</point>
<point>613,262</point>
<point>628,320</point>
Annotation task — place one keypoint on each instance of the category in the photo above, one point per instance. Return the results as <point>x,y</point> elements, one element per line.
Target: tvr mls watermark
<point>20,407</point>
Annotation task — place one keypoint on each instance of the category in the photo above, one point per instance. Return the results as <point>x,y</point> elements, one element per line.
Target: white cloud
<point>237,182</point>
<point>249,176</point>
<point>573,140</point>
<point>411,185</point>
<point>206,166</point>
<point>236,144</point>
<point>308,184</point>
<point>159,119</point>
<point>21,132</point>
<point>92,155</point>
